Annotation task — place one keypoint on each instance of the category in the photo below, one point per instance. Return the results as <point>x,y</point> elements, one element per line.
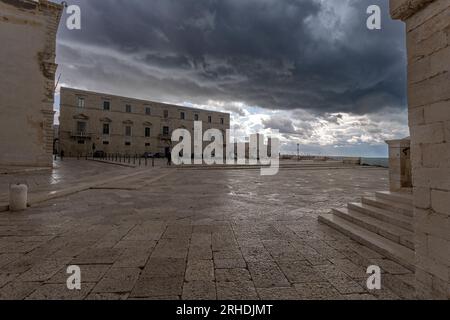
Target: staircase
<point>382,223</point>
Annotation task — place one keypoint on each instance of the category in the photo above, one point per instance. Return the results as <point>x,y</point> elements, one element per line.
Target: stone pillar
<point>399,164</point>
<point>428,42</point>
<point>28,38</point>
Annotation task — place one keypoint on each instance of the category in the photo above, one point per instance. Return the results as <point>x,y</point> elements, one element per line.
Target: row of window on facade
<point>81,129</point>
<point>107,107</point>
<point>127,143</point>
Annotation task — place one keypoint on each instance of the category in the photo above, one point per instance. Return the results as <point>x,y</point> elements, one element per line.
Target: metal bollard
<point>153,162</point>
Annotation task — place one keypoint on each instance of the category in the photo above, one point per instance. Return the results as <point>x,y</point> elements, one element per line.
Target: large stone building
<point>91,121</point>
<point>27,33</point>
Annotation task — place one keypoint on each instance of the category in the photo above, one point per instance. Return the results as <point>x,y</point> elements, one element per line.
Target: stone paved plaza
<point>198,234</point>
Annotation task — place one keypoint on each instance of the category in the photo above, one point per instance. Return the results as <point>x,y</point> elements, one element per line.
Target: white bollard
<point>18,197</point>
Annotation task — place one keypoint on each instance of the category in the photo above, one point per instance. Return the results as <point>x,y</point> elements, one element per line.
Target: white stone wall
<point>27,36</point>
<point>428,42</point>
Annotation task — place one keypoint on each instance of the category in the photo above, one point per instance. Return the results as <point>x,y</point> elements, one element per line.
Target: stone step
<point>386,247</point>
<point>400,197</point>
<point>396,219</point>
<point>4,207</point>
<point>391,206</point>
<point>384,229</point>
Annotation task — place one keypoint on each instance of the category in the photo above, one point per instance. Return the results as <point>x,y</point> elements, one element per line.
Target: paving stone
<point>317,290</point>
<point>227,254</point>
<point>267,274</point>
<point>256,254</point>
<point>89,273</point>
<point>158,287</point>
<point>60,292</point>
<point>133,257</point>
<point>72,249</point>
<point>177,231</point>
<point>341,281</point>
<point>118,280</point>
<point>135,244</point>
<point>236,291</point>
<point>44,270</point>
<point>164,268</point>
<point>146,232</point>
<point>349,268</point>
<point>201,270</point>
<point>200,253</point>
<point>107,296</point>
<point>17,290</point>
<point>300,271</point>
<point>7,258</point>
<point>382,294</point>
<point>162,298</point>
<point>399,286</point>
<point>171,248</point>
<point>199,290</point>
<point>229,263</point>
<point>361,296</point>
<point>278,293</point>
<point>232,275</point>
<point>7,277</point>
<point>98,256</point>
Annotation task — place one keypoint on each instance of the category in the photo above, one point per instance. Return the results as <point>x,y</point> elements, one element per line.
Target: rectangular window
<point>166,131</point>
<point>147,144</point>
<point>166,114</point>
<point>196,117</point>
<point>148,111</point>
<point>106,128</point>
<point>128,108</point>
<point>147,132</point>
<point>128,131</point>
<point>128,143</point>
<point>106,105</point>
<point>80,102</point>
<point>105,142</point>
<point>222,121</point>
<point>81,128</point>
<point>209,119</point>
<point>182,115</point>
<point>80,141</point>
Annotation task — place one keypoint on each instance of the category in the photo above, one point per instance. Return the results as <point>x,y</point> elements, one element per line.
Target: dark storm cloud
<point>276,54</point>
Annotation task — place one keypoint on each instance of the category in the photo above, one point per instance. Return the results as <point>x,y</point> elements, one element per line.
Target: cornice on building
<point>403,9</point>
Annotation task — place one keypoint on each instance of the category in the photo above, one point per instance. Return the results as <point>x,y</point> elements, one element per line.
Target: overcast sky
<point>309,68</point>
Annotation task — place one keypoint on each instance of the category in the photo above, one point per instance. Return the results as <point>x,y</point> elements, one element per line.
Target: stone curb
<point>115,163</point>
<point>49,195</point>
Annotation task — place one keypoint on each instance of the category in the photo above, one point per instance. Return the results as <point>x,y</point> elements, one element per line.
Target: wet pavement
<point>198,234</point>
